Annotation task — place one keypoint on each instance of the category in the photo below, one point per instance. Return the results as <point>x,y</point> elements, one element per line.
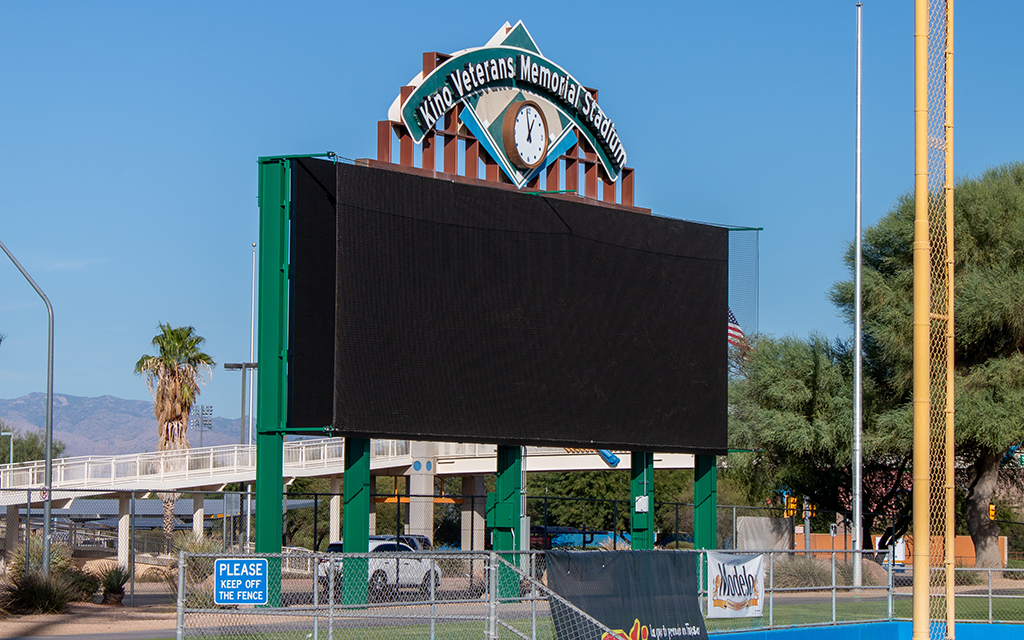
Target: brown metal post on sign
<point>451,141</point>
<point>492,172</point>
<point>608,189</point>
<point>552,180</point>
<point>626,195</point>
<point>472,159</point>
<point>384,141</point>
<point>429,152</point>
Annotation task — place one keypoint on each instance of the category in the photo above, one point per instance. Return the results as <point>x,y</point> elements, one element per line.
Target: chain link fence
<point>386,595</point>
<point>97,531</point>
<point>456,595</point>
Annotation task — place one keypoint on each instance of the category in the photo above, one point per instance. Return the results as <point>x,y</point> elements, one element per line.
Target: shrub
<point>114,579</point>
<point>1014,575</point>
<point>801,572</point>
<point>83,584</point>
<point>35,594</point>
<point>60,558</point>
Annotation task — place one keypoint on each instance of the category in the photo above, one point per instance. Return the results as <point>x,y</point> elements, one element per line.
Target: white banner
<point>735,585</point>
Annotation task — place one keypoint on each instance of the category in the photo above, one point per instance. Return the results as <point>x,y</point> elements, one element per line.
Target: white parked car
<point>403,567</point>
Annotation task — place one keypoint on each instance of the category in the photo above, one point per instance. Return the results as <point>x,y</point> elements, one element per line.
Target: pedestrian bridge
<point>211,468</point>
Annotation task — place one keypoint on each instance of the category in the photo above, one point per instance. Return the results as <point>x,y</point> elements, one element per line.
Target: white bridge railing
<point>153,470</point>
<point>223,464</point>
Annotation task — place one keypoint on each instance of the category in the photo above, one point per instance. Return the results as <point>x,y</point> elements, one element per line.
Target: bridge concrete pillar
<point>372,522</point>
<point>474,512</point>
<point>421,489</point>
<point>197,514</point>
<point>13,526</point>
<point>335,534</point>
<point>124,531</point>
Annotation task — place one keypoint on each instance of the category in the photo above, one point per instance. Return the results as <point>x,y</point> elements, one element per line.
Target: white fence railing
<point>155,469</point>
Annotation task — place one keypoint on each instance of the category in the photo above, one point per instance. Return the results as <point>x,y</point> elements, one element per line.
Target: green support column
<point>641,510</point>
<point>705,499</point>
<point>508,487</point>
<point>272,345</point>
<point>269,492</point>
<point>356,517</point>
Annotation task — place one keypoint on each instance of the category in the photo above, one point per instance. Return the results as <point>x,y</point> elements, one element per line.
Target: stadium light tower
<point>243,367</point>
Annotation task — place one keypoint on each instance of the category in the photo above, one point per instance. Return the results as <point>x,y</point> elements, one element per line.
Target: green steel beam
<point>508,488</point>
<point>272,352</point>
<point>269,489</point>
<point>705,499</point>
<point>355,529</point>
<point>641,510</point>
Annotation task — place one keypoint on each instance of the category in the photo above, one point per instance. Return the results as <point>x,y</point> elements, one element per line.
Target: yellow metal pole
<point>950,342</point>
<point>921,324</point>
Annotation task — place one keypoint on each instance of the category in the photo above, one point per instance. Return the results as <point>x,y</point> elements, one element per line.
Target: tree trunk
<point>168,500</point>
<point>984,532</point>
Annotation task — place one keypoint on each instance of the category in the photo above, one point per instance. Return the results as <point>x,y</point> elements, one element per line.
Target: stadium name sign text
<point>518,66</point>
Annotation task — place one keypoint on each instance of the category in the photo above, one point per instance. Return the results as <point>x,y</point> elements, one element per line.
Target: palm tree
<point>174,378</point>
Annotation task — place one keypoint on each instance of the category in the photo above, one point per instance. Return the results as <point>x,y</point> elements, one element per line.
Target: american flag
<point>735,333</point>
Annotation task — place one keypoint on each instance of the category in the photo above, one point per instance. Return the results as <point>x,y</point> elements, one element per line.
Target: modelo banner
<point>640,595</point>
<point>735,586</point>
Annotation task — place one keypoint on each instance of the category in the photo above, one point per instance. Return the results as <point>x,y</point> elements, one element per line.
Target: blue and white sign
<point>240,581</point>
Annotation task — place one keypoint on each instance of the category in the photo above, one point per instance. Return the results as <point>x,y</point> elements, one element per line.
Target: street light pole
<point>48,465</point>
<point>243,367</point>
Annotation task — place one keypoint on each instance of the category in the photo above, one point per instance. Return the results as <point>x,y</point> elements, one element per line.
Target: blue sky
<point>130,131</point>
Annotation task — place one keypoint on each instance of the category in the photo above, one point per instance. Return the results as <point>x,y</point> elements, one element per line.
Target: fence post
<point>989,594</point>
<point>771,589</point>
<point>833,585</point>
<point>892,571</point>
<point>131,546</point>
<point>433,600</point>
<point>28,530</point>
<point>735,543</point>
<point>492,603</point>
<point>180,633</point>
<point>332,589</point>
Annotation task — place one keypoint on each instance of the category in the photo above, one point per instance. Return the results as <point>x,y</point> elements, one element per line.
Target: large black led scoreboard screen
<point>435,310</point>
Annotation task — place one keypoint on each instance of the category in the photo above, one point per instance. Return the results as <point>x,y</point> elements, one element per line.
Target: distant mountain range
<point>100,426</point>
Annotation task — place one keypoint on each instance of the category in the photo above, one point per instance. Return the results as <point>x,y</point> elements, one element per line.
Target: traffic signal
<point>791,507</point>
<point>810,510</point>
<point>991,511</point>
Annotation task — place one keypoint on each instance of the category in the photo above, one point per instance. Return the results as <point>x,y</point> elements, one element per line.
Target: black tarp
<point>627,589</point>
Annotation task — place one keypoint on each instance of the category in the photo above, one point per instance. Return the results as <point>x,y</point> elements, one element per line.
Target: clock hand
<point>529,127</point>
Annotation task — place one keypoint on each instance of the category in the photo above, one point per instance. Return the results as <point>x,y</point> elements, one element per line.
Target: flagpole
<point>858,489</point>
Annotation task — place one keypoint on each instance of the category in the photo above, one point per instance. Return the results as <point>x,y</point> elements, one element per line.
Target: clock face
<point>526,135</point>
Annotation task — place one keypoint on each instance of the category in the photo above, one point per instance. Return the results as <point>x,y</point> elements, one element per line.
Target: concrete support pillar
<point>13,528</point>
<point>421,489</point>
<point>372,518</point>
<point>474,513</point>
<point>123,529</point>
<point>335,534</point>
<point>197,514</point>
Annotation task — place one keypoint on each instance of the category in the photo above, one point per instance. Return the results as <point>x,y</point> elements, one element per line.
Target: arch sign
<point>524,109</point>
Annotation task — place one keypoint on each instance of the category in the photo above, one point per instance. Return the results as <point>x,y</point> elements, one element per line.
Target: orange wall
<point>963,547</point>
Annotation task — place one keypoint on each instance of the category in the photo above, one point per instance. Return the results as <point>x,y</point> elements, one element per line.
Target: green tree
<point>791,405</point>
<point>174,376</point>
<point>31,445</point>
<point>989,331</point>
